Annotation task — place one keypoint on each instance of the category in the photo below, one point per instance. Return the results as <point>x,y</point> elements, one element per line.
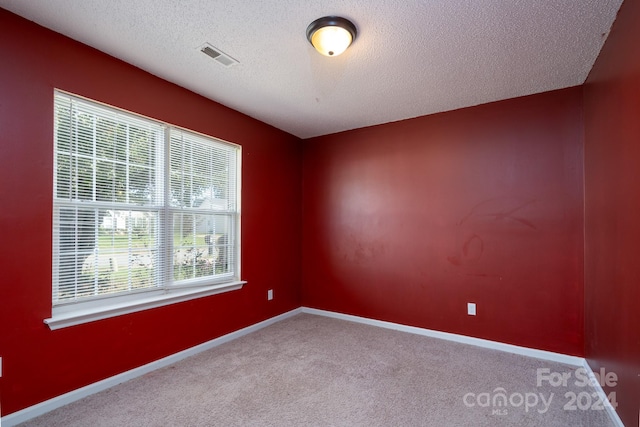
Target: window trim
<point>63,316</point>
<point>66,314</point>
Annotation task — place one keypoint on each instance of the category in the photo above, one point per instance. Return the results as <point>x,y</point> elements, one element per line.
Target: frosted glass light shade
<point>331,35</point>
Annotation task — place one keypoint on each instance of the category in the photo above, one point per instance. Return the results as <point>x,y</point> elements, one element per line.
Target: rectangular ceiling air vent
<point>217,55</point>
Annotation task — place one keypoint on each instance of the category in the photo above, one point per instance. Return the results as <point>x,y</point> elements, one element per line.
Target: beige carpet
<point>315,371</point>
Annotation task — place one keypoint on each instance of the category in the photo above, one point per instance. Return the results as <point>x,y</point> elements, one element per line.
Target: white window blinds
<point>138,205</point>
<point>203,207</point>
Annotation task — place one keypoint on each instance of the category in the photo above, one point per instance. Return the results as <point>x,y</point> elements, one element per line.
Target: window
<point>141,210</point>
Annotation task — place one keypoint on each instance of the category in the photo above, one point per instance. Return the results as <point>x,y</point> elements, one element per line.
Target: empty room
<point>356,213</point>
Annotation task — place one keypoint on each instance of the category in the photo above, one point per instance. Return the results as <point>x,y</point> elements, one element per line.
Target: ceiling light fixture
<point>331,35</point>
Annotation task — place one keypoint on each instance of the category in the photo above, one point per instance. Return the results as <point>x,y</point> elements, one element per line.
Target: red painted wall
<point>39,364</point>
<point>612,180</point>
<point>409,221</point>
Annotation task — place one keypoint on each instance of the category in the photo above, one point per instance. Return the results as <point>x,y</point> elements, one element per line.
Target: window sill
<point>80,316</point>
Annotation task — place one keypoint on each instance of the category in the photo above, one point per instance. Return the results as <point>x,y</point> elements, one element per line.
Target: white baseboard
<point>479,342</point>
<point>59,401</point>
<point>613,415</point>
<point>509,348</point>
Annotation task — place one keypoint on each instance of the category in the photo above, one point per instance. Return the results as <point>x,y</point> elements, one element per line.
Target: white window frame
<point>67,314</point>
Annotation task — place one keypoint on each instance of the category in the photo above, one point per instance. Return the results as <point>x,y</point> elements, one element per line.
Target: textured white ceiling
<point>410,58</point>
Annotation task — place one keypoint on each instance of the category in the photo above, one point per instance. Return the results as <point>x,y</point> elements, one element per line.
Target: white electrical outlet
<point>270,294</point>
<point>471,308</point>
